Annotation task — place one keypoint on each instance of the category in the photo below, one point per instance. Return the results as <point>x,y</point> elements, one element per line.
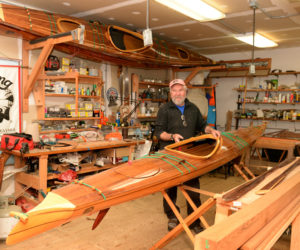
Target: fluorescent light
<point>195,9</point>
<point>259,40</point>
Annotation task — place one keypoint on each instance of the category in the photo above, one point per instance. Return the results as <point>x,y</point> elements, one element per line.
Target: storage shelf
<point>266,90</point>
<point>65,130</point>
<point>84,170</point>
<point>69,75</point>
<point>155,84</point>
<point>70,119</point>
<point>267,119</point>
<point>152,100</point>
<point>285,73</point>
<point>58,95</point>
<point>274,103</point>
<point>146,117</point>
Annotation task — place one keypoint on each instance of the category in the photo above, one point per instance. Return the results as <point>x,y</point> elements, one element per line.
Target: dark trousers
<point>172,192</point>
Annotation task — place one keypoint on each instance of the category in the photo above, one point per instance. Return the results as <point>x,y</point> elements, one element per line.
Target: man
<point>178,120</point>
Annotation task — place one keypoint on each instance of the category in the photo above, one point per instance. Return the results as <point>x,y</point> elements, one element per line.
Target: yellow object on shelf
<point>65,68</point>
<point>70,106</point>
<point>65,61</point>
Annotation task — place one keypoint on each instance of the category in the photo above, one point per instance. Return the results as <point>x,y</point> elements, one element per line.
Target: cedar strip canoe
<point>106,40</point>
<point>144,176</point>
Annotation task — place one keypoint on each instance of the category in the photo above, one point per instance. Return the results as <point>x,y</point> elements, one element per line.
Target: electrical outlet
<point>147,36</point>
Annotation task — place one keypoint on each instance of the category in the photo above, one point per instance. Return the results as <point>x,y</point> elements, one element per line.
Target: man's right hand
<point>177,137</point>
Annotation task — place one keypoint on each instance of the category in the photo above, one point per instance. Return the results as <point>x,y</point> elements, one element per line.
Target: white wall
<point>284,59</point>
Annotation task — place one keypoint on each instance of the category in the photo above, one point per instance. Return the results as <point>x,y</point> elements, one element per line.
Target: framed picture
<point>10,96</point>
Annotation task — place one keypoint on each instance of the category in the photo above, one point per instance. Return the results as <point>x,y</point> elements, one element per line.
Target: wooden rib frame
<point>192,139</point>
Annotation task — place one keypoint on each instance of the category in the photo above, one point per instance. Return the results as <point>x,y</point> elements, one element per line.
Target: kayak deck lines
<point>87,185</point>
<point>236,139</point>
<point>162,156</point>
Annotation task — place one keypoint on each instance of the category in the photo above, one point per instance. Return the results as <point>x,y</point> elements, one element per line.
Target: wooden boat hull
<point>105,40</point>
<point>129,181</point>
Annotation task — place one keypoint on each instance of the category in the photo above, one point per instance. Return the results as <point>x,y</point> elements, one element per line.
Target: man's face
<point>178,94</point>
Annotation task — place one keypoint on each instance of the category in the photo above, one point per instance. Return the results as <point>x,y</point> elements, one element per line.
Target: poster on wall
<point>10,101</point>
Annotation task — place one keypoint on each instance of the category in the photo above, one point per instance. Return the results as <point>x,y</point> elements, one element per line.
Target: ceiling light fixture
<point>147,33</point>
<point>260,41</point>
<point>195,9</point>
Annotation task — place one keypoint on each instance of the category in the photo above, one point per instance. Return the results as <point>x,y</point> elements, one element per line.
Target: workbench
<point>286,145</point>
<point>39,181</point>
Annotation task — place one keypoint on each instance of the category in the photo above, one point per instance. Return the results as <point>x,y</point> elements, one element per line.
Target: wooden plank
<point>43,171</point>
<point>37,68</point>
<point>237,192</point>
<point>268,235</point>
<point>295,242</point>
<point>248,221</point>
<point>30,180</point>
<point>25,74</point>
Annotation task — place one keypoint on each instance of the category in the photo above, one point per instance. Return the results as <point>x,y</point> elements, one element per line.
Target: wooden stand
<point>184,223</point>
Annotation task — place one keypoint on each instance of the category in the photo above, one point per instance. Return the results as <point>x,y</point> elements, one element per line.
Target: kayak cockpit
<point>200,147</point>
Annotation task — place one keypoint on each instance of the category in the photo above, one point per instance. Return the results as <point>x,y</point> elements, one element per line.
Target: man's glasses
<point>183,121</point>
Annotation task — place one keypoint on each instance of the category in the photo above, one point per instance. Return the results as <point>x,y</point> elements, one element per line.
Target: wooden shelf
<point>267,119</point>
<point>58,95</point>
<point>285,73</point>
<point>274,103</point>
<point>240,68</point>
<point>89,96</point>
<point>68,75</point>
<point>154,84</point>
<point>70,118</point>
<point>85,170</point>
<point>146,117</point>
<point>152,100</point>
<point>65,130</point>
<point>266,90</point>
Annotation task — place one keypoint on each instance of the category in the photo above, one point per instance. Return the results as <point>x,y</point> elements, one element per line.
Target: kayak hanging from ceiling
<point>108,41</point>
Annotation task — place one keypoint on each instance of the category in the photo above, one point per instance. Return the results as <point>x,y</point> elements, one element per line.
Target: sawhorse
<point>242,165</point>
<point>185,222</point>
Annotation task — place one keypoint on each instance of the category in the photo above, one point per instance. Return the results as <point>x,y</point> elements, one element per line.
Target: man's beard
<point>179,101</point>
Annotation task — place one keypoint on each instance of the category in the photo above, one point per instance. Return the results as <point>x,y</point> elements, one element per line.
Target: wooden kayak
<point>109,40</point>
<point>169,167</point>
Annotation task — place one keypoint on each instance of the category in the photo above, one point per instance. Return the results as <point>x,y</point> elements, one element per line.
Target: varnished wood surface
<point>76,147</point>
<point>126,182</point>
<point>97,38</point>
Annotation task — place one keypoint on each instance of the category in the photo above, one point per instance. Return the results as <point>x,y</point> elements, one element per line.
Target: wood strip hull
<point>106,40</point>
<point>126,182</point>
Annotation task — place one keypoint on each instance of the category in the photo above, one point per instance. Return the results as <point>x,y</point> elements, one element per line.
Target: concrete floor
<point>133,225</point>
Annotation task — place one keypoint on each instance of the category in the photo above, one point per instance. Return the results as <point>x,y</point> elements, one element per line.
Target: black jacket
<point>169,120</point>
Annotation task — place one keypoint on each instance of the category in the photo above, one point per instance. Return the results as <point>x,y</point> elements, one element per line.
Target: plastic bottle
<point>279,98</point>
<point>143,108</point>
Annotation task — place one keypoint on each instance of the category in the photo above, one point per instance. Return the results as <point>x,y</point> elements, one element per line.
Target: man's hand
<point>170,137</point>
<point>210,130</point>
<point>177,137</point>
